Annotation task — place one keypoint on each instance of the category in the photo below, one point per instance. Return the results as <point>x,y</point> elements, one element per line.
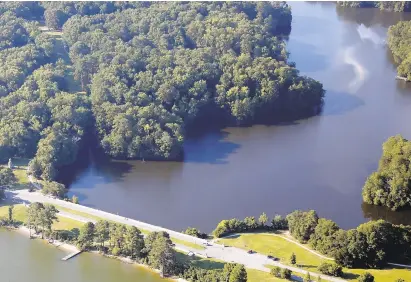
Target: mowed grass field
<point>20,215</point>
<point>268,244</point>
<point>253,275</point>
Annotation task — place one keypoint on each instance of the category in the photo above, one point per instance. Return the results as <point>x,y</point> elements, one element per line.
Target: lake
<point>319,163</point>
<point>36,261</point>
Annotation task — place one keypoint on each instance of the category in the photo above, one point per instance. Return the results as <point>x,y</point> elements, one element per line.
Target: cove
<point>318,163</point>
<point>34,260</point>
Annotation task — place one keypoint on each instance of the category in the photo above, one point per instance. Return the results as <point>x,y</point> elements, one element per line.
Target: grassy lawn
<point>20,171</point>
<point>253,275</point>
<point>79,213</point>
<point>65,223</point>
<point>188,244</point>
<point>19,214</point>
<point>273,245</point>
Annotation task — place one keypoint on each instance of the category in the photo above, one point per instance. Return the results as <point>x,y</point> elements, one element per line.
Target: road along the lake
<point>215,251</point>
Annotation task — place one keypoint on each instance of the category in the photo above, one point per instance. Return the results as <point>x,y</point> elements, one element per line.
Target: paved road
<point>216,251</point>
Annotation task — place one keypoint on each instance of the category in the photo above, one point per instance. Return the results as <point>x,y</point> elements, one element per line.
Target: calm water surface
<point>35,261</point>
<point>320,163</point>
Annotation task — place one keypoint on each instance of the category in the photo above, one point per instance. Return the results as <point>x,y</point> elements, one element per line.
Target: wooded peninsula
<point>140,76</point>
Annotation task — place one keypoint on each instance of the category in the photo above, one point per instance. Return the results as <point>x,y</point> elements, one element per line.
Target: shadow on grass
<point>350,276</point>
<point>200,262</point>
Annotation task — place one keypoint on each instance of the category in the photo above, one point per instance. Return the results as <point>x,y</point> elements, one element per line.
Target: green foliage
<point>286,273</point>
<point>7,177</point>
<point>324,236</point>
<point>276,271</point>
<point>86,236</point>
<point>234,225</point>
<point>279,223</point>
<point>396,6</point>
<point>390,186</point>
<point>41,217</point>
<point>307,277</point>
<point>195,232</point>
<point>11,207</point>
<point>198,62</point>
<point>366,277</point>
<point>302,224</point>
<point>399,42</point>
<point>263,219</point>
<point>238,274</point>
<point>54,189</point>
<point>331,269</point>
<point>162,255</point>
<point>74,199</point>
<point>293,259</point>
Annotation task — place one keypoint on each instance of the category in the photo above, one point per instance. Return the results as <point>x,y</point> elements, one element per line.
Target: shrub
<point>286,273</point>
<point>366,277</point>
<point>276,271</point>
<point>331,269</point>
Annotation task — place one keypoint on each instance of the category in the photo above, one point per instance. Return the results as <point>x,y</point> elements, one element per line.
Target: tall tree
<point>162,256</point>
<point>86,236</point>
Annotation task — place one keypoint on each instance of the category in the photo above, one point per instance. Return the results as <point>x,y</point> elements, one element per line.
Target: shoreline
<point>23,230</point>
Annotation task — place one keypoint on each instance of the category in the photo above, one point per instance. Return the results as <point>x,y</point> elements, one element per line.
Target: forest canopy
<point>399,42</point>
<point>149,73</point>
<point>390,185</point>
<point>396,6</point>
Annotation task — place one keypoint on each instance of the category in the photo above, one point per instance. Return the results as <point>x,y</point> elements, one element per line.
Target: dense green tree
<point>323,238</point>
<point>86,236</point>
<point>331,269</point>
<point>276,271</point>
<point>195,232</point>
<point>399,43</point>
<point>54,189</point>
<point>302,224</point>
<point>279,223</point>
<point>133,242</point>
<point>390,186</point>
<point>286,273</point>
<point>241,76</point>
<point>396,6</point>
<point>238,274</point>
<point>263,219</point>
<point>101,229</point>
<point>162,256</point>
<point>41,216</point>
<point>366,277</point>
<point>7,177</point>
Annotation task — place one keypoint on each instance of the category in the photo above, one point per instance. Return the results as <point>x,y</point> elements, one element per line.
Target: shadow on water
<point>309,60</point>
<point>340,103</point>
<point>211,148</point>
<point>96,163</point>
<point>371,16</point>
<point>377,212</point>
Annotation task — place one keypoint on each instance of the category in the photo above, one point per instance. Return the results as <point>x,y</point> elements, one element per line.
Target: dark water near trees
<point>31,260</point>
<point>320,163</point>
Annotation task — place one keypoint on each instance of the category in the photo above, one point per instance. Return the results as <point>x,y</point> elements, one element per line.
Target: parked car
<point>250,252</point>
<point>275,259</point>
<point>270,257</point>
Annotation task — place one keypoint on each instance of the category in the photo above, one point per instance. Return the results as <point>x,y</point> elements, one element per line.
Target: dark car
<point>270,257</point>
<point>250,252</point>
<point>275,259</point>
